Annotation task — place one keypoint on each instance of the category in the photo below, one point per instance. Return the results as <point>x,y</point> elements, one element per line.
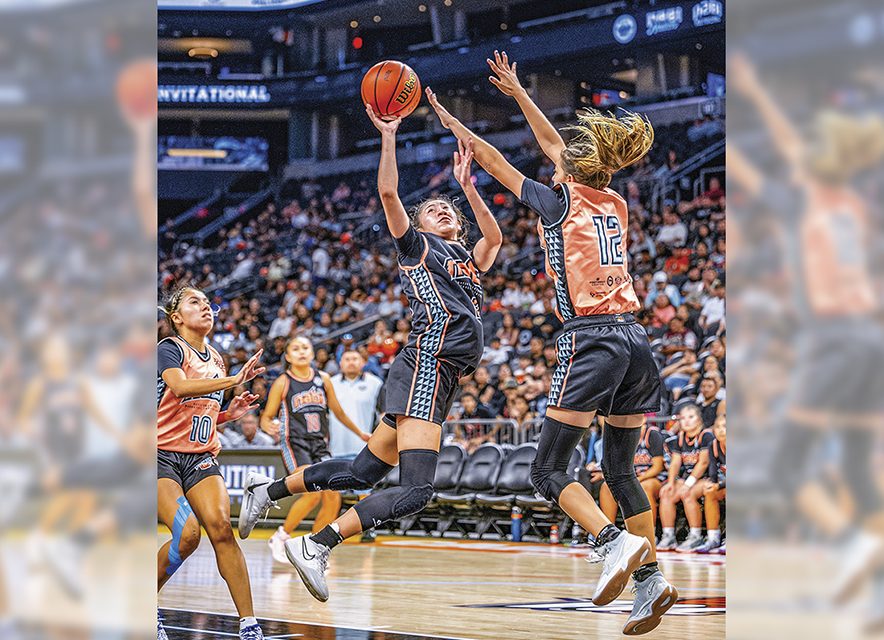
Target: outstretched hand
<point>463,159</point>
<point>384,126</point>
<point>445,118</point>
<point>241,405</point>
<point>507,80</point>
<point>250,369</point>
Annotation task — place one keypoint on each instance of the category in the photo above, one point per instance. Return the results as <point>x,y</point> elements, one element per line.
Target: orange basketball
<point>137,88</point>
<point>392,89</point>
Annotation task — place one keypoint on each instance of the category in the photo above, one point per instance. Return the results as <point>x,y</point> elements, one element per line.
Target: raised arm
<point>388,175</point>
<point>785,137</point>
<point>486,155</point>
<point>508,82</point>
<point>486,249</point>
<point>743,171</point>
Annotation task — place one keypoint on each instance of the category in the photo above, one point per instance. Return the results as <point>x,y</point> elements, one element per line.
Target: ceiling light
<point>422,8</point>
<point>203,52</point>
<point>354,24</point>
<point>377,18</point>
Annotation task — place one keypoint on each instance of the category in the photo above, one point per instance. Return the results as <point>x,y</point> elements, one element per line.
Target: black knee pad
<point>856,456</point>
<point>365,471</point>
<point>618,458</point>
<point>411,500</point>
<point>417,471</point>
<point>549,471</point>
<point>790,470</point>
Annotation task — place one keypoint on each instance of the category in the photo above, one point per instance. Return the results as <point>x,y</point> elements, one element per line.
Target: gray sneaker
<point>667,543</point>
<point>619,559</point>
<point>252,632</point>
<point>311,560</point>
<point>161,632</point>
<point>255,502</point>
<point>654,596</point>
<point>691,544</point>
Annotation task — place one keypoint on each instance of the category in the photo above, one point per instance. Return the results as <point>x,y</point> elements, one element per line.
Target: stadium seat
<point>538,513</point>
<point>479,475</point>
<point>514,479</point>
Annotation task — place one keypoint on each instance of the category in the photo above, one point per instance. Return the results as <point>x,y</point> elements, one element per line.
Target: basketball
<point>137,89</point>
<point>392,89</point>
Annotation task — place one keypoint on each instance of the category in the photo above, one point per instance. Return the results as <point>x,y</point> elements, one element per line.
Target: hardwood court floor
<point>427,587</point>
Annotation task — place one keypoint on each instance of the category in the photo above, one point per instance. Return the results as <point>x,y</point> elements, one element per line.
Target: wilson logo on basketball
<point>407,89</point>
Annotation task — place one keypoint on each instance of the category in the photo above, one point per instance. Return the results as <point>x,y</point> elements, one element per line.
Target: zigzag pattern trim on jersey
<point>565,351</point>
<point>429,344</point>
<point>555,254</point>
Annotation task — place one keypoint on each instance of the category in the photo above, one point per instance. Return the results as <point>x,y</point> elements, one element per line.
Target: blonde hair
<point>605,144</point>
<point>843,145</point>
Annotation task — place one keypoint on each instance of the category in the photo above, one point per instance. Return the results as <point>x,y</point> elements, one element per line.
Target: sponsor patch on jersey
<point>317,381</point>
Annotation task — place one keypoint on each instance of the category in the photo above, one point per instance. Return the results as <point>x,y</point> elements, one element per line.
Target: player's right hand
<point>507,80</point>
<point>384,126</point>
<point>250,369</point>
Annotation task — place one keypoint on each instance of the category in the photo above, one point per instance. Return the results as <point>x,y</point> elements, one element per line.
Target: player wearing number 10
<point>191,381</point>
<point>605,365</point>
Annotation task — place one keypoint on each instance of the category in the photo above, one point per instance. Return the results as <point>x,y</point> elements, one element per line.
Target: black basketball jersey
<point>304,409</point>
<point>445,295</point>
<point>649,447</point>
<point>690,449</point>
<point>64,429</point>
<point>709,412</point>
<point>717,463</point>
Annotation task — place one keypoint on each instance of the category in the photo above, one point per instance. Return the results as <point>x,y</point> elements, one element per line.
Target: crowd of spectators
<point>307,265</point>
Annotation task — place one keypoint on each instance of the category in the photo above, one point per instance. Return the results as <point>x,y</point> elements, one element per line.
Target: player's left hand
<point>463,159</point>
<point>507,80</point>
<point>241,405</point>
<point>365,436</point>
<point>445,118</point>
<point>683,491</point>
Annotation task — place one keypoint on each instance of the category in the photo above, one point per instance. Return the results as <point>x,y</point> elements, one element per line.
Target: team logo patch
<point>206,464</point>
<point>625,28</point>
<point>684,607</point>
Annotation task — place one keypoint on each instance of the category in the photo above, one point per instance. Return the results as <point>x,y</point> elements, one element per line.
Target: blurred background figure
<point>805,167</point>
<point>77,258</point>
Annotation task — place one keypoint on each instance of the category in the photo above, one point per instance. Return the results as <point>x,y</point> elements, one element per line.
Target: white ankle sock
<point>696,532</point>
<point>669,531</point>
<point>713,534</point>
<point>247,622</point>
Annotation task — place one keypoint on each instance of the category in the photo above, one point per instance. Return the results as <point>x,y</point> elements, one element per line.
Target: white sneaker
<point>667,542</point>
<point>691,544</point>
<point>161,632</point>
<point>311,560</point>
<point>251,633</point>
<point>277,545</point>
<point>654,596</point>
<point>64,558</point>
<point>255,502</point>
<point>619,558</point>
<point>862,555</point>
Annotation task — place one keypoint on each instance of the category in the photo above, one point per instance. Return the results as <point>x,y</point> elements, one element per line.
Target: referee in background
<point>361,396</point>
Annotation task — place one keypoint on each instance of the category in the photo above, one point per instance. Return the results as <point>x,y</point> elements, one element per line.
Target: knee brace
<point>619,445</point>
<point>181,515</point>
<point>417,471</point>
<point>791,456</point>
<point>549,471</point>
<point>856,456</point>
<point>365,471</point>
